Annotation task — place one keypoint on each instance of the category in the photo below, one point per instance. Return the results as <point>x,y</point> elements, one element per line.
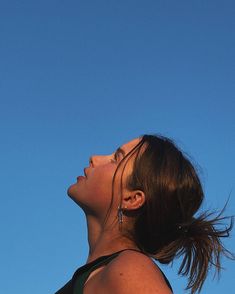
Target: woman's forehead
<point>127,147</point>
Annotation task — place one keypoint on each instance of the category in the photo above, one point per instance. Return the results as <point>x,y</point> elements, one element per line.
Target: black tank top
<point>76,284</point>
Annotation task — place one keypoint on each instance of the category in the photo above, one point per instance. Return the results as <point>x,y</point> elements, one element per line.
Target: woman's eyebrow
<point>120,150</point>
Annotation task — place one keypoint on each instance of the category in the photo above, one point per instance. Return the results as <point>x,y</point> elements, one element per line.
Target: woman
<point>140,203</point>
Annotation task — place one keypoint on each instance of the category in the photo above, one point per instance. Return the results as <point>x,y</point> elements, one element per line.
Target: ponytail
<point>199,243</point>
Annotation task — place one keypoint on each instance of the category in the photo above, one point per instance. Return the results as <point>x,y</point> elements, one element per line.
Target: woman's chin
<point>71,191</point>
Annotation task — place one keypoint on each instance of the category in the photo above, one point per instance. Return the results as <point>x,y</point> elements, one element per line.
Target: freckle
<point>121,274</point>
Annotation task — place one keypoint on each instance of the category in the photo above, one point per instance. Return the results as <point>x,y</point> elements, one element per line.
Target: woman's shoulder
<point>132,260</point>
<point>130,272</point>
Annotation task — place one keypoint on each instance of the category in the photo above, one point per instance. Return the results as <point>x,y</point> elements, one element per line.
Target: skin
<point>93,194</point>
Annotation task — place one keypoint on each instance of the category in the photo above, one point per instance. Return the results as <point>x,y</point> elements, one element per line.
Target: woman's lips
<point>80,178</point>
<point>85,175</point>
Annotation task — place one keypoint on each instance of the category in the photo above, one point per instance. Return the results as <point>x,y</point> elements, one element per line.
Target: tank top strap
<point>81,279</point>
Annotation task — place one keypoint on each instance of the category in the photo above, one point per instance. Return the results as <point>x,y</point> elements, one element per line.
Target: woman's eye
<point>115,157</point>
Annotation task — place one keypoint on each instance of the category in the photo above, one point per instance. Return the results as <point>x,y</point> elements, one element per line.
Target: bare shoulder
<point>133,272</point>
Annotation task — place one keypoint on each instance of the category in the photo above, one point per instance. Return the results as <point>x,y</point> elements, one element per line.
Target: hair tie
<point>182,229</point>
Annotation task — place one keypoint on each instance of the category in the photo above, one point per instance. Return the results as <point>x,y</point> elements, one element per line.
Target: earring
<point>120,215</point>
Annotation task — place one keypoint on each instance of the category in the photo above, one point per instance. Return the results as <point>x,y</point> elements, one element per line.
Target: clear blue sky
<point>83,77</point>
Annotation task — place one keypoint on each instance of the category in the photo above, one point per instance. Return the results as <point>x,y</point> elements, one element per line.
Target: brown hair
<point>166,226</point>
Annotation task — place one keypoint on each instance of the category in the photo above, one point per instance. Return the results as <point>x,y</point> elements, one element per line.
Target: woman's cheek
<point>100,187</point>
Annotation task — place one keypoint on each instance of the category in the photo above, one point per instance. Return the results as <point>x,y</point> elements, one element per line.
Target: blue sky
<point>82,77</point>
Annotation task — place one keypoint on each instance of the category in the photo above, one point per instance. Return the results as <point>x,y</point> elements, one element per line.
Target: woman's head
<point>172,189</point>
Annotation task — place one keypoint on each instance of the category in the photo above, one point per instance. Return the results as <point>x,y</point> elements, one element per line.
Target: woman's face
<point>93,191</point>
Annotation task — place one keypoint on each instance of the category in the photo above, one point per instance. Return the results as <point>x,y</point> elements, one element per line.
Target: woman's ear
<point>133,200</point>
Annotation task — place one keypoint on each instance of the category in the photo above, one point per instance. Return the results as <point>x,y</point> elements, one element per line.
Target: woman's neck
<point>103,241</point>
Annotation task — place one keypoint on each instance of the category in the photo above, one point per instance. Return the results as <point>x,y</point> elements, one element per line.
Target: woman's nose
<point>94,160</point>
<point>91,161</point>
